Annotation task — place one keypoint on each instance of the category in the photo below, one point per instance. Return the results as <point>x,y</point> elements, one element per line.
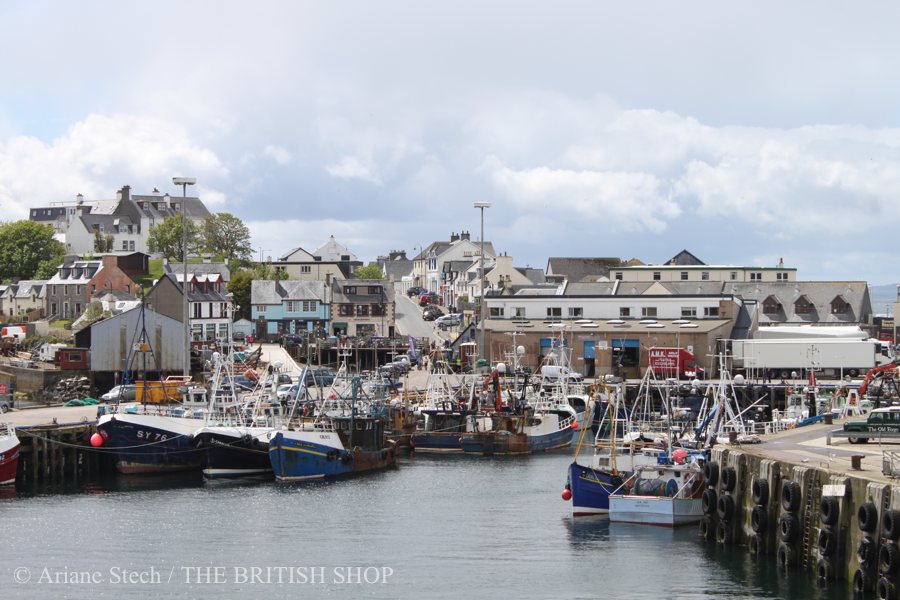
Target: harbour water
<point>436,527</point>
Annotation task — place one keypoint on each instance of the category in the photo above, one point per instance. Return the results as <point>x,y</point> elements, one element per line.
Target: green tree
<point>370,271</point>
<point>103,243</point>
<point>227,238</point>
<point>27,248</point>
<point>239,287</point>
<point>165,238</point>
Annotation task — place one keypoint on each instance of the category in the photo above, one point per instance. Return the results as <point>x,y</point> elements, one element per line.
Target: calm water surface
<point>444,527</point>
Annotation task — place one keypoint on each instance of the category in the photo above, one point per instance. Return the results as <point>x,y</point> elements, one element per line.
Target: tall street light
<point>481,315</point>
<point>184,182</point>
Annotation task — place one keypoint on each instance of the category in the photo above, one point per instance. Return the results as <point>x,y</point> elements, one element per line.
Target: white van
<point>558,372</point>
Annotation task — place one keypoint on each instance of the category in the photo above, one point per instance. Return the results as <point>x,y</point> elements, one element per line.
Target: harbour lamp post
<point>184,182</point>
<point>481,315</point>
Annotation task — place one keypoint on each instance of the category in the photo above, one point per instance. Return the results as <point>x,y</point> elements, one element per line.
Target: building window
<point>618,275</point>
<point>210,310</point>
<point>657,275</point>
<point>711,311</point>
<point>771,306</point>
<point>124,244</point>
<point>733,275</point>
<point>576,312</point>
<point>293,305</point>
<point>379,310</point>
<point>704,275</point>
<point>198,310</point>
<point>688,312</point>
<point>78,308</point>
<point>648,311</point>
<point>496,312</point>
<point>309,306</point>
<point>554,312</point>
<point>362,310</point>
<point>684,275</point>
<point>374,290</point>
<point>756,276</point>
<point>345,310</point>
<point>350,290</point>
<point>803,306</point>
<point>839,306</point>
<point>781,276</point>
<point>624,312</point>
<point>305,269</point>
<point>261,308</point>
<point>519,312</point>
<point>131,246</point>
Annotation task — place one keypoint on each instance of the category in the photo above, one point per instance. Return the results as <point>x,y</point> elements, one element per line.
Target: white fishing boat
<point>9,454</point>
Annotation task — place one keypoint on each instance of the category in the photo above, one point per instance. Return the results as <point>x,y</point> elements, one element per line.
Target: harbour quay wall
<point>842,526</point>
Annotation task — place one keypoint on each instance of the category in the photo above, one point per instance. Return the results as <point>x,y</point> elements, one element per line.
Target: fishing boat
<point>9,454</point>
<point>446,413</point>
<point>617,449</point>
<point>330,446</point>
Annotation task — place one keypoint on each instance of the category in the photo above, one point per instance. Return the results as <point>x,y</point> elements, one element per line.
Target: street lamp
<point>481,206</point>
<point>184,182</point>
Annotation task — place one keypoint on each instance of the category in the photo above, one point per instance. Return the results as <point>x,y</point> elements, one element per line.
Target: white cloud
<point>97,156</point>
<point>351,167</point>
<point>279,154</point>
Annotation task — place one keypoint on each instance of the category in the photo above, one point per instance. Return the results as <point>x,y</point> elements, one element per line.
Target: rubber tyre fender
<point>862,582</point>
<point>867,516</point>
<point>829,510</point>
<point>707,528</point>
<point>889,559</point>
<point>886,589</point>
<point>723,533</point>
<point>758,519</point>
<point>759,491</point>
<point>729,479</point>
<point>247,439</point>
<point>827,542</point>
<point>785,555</point>
<point>866,552</point>
<point>756,544</point>
<point>791,494</point>
<point>347,457</point>
<point>709,501</point>
<point>824,570</point>
<point>711,472</point>
<point>890,524</point>
<point>725,507</point>
<point>788,526</point>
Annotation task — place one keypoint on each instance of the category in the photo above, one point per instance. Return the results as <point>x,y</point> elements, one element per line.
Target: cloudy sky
<point>743,132</point>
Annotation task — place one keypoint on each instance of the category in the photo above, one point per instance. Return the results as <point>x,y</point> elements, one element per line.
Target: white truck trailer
<point>828,357</point>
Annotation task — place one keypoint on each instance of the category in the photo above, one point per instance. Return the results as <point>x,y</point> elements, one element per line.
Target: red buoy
<point>567,494</point>
<point>96,440</point>
<point>574,424</point>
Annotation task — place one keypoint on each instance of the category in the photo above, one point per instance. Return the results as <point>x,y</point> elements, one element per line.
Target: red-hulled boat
<point>9,454</point>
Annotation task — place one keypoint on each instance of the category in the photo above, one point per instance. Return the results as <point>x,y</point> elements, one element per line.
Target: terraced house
<point>289,307</point>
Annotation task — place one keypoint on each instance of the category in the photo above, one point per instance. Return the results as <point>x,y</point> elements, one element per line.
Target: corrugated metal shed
<point>112,340</point>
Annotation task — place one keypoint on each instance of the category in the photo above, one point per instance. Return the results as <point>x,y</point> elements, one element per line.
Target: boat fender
<point>785,555</point>
<point>824,570</point>
<point>347,457</point>
<point>827,542</point>
<point>707,525</point>
<point>723,533</point>
<point>247,439</point>
<point>862,582</point>
<point>889,559</point>
<point>760,491</point>
<point>890,524</point>
<point>332,455</point>
<point>708,501</point>
<point>756,544</point>
<point>867,517</point>
<point>829,510</point>
<point>729,479</point>
<point>885,588</point>
<point>788,526</point>
<point>758,517</point>
<point>791,493</point>
<point>725,507</point>
<point>865,552</point>
<point>711,472</point>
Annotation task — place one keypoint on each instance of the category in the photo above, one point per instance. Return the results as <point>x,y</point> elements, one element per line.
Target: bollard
<point>856,461</point>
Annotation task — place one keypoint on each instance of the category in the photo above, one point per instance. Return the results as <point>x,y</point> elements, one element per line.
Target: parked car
<point>447,321</point>
<point>124,393</point>
<point>429,298</point>
<point>415,291</point>
<point>320,376</point>
<point>558,372</point>
<point>432,312</point>
<point>238,336</point>
<point>288,392</point>
<point>880,420</point>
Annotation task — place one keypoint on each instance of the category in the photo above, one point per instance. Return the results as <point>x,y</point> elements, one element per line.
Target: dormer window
<point>803,306</point>
<point>839,306</point>
<point>771,306</point>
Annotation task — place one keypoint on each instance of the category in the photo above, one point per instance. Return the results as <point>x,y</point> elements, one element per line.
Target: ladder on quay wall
<point>812,501</point>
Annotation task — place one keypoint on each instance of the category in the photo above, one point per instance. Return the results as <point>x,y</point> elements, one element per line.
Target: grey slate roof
<point>684,258</point>
<point>602,288</point>
<point>332,251</point>
<point>578,268</point>
<point>199,269</point>
<point>820,294</point>
<point>269,291</point>
<point>395,270</point>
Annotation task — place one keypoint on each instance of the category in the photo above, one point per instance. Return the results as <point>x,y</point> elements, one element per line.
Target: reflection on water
<point>447,526</point>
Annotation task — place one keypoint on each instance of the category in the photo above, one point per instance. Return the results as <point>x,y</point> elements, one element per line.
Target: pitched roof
<point>684,258</point>
<point>578,268</point>
<point>395,270</point>
<point>332,251</point>
<point>820,294</point>
<point>199,269</point>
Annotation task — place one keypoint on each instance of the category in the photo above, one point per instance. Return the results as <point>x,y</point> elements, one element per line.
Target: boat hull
<point>437,442</point>
<point>495,443</point>
<point>151,443</point>
<point>9,459</point>
<point>303,455</point>
<point>655,510</point>
<point>591,489</point>
<point>235,452</point>
<point>554,440</point>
